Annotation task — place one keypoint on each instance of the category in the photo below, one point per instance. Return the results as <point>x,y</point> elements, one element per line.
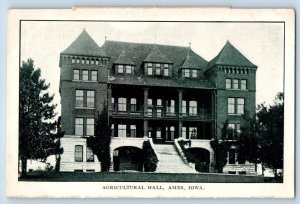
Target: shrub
<point>150,158</point>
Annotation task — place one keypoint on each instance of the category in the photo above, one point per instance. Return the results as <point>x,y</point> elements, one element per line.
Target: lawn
<point>143,177</point>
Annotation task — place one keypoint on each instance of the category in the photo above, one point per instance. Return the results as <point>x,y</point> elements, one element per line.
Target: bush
<point>150,158</point>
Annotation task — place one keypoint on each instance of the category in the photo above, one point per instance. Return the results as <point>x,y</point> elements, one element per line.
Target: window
<point>121,104</point>
<point>183,108</point>
<point>171,106</point>
<point>97,62</point>
<point>231,105</point>
<point>94,75</point>
<point>236,105</point>
<point>78,126</point>
<point>77,61</point>
<point>92,61</point>
<point>73,61</point>
<point>228,83</point>
<point>76,74</point>
<point>87,61</point>
<point>120,69</point>
<point>133,104</point>
<point>112,130</point>
<point>82,61</point>
<point>158,133</point>
<point>193,108</point>
<point>158,112</point>
<point>79,97</point>
<point>149,101</point>
<point>186,73</point>
<point>172,131</point>
<point>112,103</point>
<point>149,112</point>
<point>128,69</point>
<point>233,130</point>
<point>194,73</point>
<point>235,84</point>
<point>89,155</point>
<point>243,84</point>
<point>149,70</point>
<point>90,126</point>
<point>240,105</point>
<point>159,102</point>
<point>192,132</point>
<point>166,70</point>
<point>90,99</point>
<point>85,75</point>
<point>121,130</point>
<point>183,132</point>
<point>157,69</point>
<point>78,153</point>
<point>132,130</point>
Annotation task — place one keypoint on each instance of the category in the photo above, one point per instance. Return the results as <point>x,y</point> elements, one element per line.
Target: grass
<point>143,177</point>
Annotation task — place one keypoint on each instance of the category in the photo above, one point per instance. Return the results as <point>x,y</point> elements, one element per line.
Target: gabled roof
<point>191,61</point>
<point>123,59</point>
<point>155,55</point>
<point>84,45</point>
<point>229,55</point>
<point>138,52</point>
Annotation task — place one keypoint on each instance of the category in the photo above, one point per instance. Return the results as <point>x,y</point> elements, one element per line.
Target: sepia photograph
<point>162,105</point>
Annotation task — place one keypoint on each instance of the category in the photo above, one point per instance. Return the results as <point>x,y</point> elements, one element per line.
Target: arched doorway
<point>199,156</point>
<point>128,158</point>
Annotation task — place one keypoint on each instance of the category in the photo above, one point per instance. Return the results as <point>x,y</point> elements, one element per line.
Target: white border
<point>92,189</point>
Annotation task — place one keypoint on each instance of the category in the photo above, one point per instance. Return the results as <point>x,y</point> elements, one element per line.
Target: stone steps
<point>170,161</point>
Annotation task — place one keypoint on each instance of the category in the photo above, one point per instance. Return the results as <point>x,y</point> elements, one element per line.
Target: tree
<point>261,137</point>
<point>100,143</point>
<point>221,148</point>
<point>248,148</point>
<point>58,150</point>
<point>271,126</point>
<point>36,111</point>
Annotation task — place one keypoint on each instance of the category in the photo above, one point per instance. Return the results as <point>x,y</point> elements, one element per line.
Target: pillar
<point>179,113</point>
<point>145,111</point>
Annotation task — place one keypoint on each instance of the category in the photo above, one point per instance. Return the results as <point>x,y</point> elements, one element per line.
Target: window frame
<point>231,105</point>
<point>194,73</point>
<point>90,157</point>
<point>240,106</point>
<point>235,84</point>
<point>128,68</point>
<point>243,85</point>
<point>122,130</point>
<point>79,99</point>
<point>75,70</point>
<point>85,75</point>
<point>122,104</point>
<point>193,106</point>
<point>90,99</point>
<point>120,69</point>
<point>228,83</point>
<point>78,153</point>
<point>133,107</point>
<point>90,127</point>
<point>94,77</point>
<point>133,131</point>
<point>79,125</point>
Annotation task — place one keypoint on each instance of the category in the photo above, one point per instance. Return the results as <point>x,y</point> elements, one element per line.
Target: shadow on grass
<point>144,177</point>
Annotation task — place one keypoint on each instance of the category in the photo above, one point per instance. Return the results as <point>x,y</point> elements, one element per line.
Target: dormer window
<point>129,69</point>
<point>194,73</point>
<point>157,69</point>
<point>120,69</point>
<point>166,70</point>
<point>186,73</point>
<point>149,70</point>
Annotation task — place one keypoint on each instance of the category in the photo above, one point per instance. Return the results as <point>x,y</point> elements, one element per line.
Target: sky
<point>261,43</point>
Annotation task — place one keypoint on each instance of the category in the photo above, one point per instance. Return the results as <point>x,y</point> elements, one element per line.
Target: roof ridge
<point>117,41</point>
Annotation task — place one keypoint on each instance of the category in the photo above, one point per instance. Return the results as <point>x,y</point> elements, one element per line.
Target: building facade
<point>159,93</point>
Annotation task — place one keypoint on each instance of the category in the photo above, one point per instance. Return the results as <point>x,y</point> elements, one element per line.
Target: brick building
<point>159,93</point>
